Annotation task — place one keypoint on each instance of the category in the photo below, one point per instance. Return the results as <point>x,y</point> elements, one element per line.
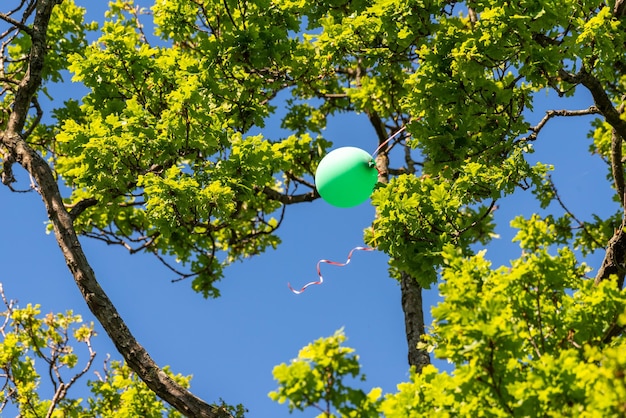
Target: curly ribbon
<point>332,263</point>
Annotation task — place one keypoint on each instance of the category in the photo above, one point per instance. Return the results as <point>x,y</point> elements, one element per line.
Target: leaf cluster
<point>120,393</point>
<point>159,144</point>
<point>31,342</point>
<point>526,339</point>
<point>317,379</point>
<point>419,217</point>
<point>533,338</point>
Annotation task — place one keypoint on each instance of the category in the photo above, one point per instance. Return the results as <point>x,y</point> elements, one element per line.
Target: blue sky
<point>231,344</point>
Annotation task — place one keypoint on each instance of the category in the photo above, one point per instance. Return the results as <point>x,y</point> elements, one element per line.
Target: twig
<point>16,23</point>
<point>490,209</point>
<point>581,224</point>
<point>62,389</point>
<point>591,110</point>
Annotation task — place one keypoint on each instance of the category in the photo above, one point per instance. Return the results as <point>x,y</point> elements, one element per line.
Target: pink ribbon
<point>333,263</point>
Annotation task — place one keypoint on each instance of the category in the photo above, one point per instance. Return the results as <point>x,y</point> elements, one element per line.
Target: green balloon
<point>346,177</point>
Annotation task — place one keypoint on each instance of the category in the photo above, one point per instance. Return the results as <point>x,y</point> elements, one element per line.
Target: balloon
<point>346,177</point>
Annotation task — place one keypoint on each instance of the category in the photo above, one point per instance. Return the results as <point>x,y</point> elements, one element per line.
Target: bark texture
<point>614,262</point>
<point>18,151</point>
<point>411,297</point>
<point>412,305</point>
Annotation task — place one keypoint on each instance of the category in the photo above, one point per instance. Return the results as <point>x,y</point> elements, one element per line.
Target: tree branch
<point>617,167</point>
<point>614,262</point>
<point>412,306</point>
<point>591,110</point>
<point>411,291</point>
<point>81,206</point>
<point>6,175</point>
<point>287,199</point>
<point>19,25</point>
<point>600,97</point>
<point>100,305</point>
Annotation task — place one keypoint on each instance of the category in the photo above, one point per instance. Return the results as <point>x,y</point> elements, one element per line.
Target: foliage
<point>189,183</point>
<point>316,379</point>
<point>52,342</point>
<point>529,339</point>
<point>119,393</point>
<point>30,340</point>
<point>197,183</point>
<point>166,153</point>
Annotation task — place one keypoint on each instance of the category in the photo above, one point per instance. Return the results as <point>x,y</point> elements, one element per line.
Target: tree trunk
<point>412,306</point>
<point>17,150</point>
<point>412,303</point>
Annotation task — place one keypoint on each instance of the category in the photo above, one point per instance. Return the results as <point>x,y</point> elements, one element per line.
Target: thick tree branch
<point>287,199</point>
<point>600,97</point>
<point>617,167</point>
<point>614,259</point>
<point>412,306</point>
<point>100,305</point>
<point>614,262</point>
<point>81,206</point>
<point>411,291</point>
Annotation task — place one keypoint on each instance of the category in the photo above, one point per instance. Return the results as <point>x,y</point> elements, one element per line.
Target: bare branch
<point>600,97</point>
<point>581,224</point>
<point>299,180</point>
<point>61,391</point>
<point>16,23</point>
<point>490,209</point>
<point>591,110</point>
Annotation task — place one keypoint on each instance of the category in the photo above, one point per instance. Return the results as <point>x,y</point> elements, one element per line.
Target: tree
<point>159,158</point>
<point>317,375</point>
<point>536,338</point>
<point>28,338</point>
